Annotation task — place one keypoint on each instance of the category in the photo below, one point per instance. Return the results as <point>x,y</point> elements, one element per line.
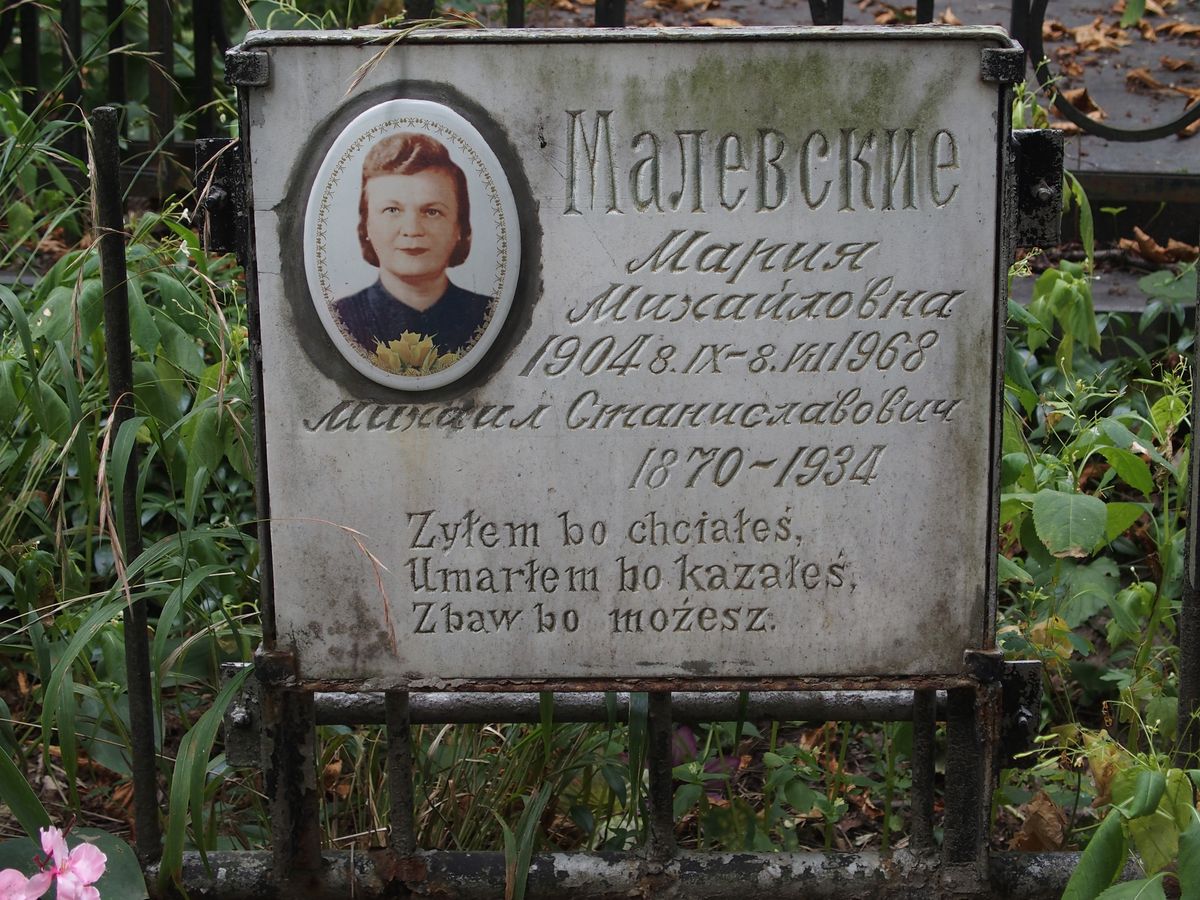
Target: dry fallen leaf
<point>949,18</point>
<point>1099,35</point>
<point>896,15</point>
<point>1147,31</point>
<point>1082,101</point>
<point>1189,130</point>
<point>1141,78</point>
<point>1179,29</point>
<point>1177,65</point>
<point>1044,828</point>
<point>1054,30</point>
<point>718,22</point>
<point>1151,251</point>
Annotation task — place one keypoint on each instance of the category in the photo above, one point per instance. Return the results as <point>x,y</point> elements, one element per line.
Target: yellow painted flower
<point>411,351</point>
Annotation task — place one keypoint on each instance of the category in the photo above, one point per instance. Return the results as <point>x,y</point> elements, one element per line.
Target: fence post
<point>111,239</point>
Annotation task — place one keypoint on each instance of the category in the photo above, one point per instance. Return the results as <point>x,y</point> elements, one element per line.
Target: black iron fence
<point>210,38</point>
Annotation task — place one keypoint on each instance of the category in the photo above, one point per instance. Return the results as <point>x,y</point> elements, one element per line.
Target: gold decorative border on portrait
<point>447,135</point>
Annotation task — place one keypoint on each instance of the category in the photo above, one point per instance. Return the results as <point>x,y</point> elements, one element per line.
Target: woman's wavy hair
<point>409,153</point>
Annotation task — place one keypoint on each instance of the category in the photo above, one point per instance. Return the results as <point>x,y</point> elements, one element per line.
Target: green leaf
<point>1148,790</point>
<point>188,778</point>
<point>800,796</point>
<point>19,797</point>
<point>1134,10</point>
<point>1102,860</point>
<point>1068,524</point>
<point>64,310</point>
<point>1142,889</point>
<point>1091,589</point>
<point>1156,835</point>
<point>1119,516</point>
<point>1017,378</point>
<point>1127,440</point>
<point>1188,869</point>
<point>1166,413</point>
<point>686,796</point>
<point>1011,571</point>
<point>1087,231</point>
<point>1131,469</point>
<point>142,329</point>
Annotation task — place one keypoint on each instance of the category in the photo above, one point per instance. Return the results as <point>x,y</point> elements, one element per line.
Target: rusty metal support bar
<point>111,239</point>
<point>972,736</point>
<point>402,834</point>
<point>592,876</point>
<point>687,707</point>
<point>660,797</point>
<point>290,772</point>
<point>924,724</point>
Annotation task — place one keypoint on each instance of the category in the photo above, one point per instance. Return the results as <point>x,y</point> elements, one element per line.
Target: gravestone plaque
<point>628,356</point>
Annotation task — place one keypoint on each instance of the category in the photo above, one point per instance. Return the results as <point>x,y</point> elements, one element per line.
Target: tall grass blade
<point>19,797</point>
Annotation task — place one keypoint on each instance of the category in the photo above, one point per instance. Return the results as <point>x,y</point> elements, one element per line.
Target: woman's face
<point>412,222</point>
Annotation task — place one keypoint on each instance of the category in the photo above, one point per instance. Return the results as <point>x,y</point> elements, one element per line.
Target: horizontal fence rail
<point>602,876</point>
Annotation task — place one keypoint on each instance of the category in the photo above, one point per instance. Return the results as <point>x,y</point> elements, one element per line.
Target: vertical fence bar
<point>1189,614</point>
<point>610,13</point>
<point>290,772</point>
<point>418,9</point>
<point>924,723</point>
<point>202,85</point>
<point>30,59</point>
<point>116,60</point>
<point>660,834</point>
<point>162,69</point>
<point>515,13</point>
<point>111,239</point>
<point>1018,21</point>
<point>402,832</point>
<point>924,12</point>
<point>72,48</point>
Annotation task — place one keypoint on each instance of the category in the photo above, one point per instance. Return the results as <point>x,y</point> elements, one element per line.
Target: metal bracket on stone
<point>1003,65</point>
<point>243,719</point>
<point>1021,691</point>
<point>985,666</point>
<point>1039,161</point>
<point>247,68</point>
<point>222,191</point>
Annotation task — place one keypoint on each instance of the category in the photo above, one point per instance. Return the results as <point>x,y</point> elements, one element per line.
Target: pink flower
<point>15,886</point>
<point>78,870</point>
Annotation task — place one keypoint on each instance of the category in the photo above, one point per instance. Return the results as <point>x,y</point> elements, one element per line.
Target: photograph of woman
<point>414,224</point>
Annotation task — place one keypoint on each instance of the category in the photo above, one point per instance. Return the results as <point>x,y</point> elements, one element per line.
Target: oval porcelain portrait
<point>411,244</point>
